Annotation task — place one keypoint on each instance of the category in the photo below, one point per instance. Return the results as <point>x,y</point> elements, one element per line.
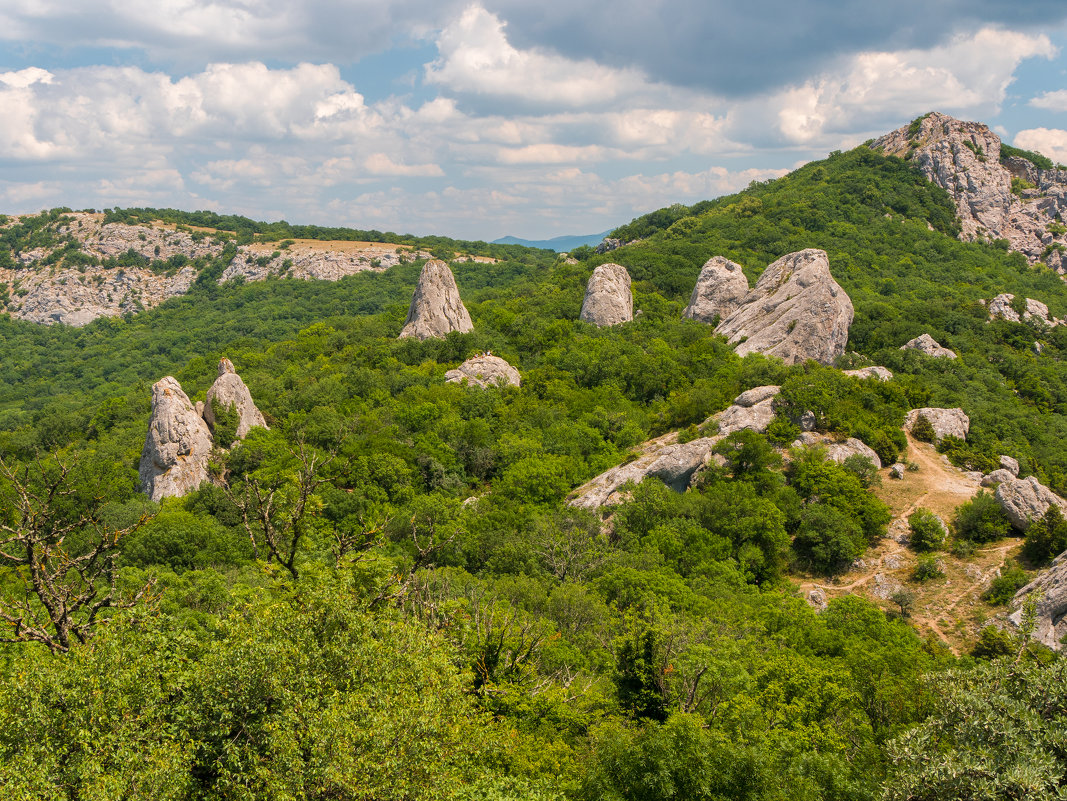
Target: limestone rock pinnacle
<point>608,300</point>
<point>175,458</point>
<point>436,308</point>
<point>230,391</point>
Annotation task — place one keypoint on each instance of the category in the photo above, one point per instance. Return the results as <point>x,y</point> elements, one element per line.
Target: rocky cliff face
<point>608,300</point>
<point>103,279</point>
<point>964,159</point>
<point>175,458</point>
<point>796,311</point>
<point>229,391</point>
<point>720,289</point>
<point>436,308</point>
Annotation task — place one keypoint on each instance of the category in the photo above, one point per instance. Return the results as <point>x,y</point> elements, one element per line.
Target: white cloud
<point>1053,101</point>
<point>382,164</point>
<point>1051,142</point>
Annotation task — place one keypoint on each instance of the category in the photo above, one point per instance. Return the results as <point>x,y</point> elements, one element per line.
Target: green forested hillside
<point>386,594</point>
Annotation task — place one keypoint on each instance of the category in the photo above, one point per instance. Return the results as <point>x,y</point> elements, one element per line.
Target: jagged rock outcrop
<point>996,477</point>
<point>796,311</point>
<point>1009,464</point>
<point>964,159</point>
<point>664,457</point>
<point>483,371</point>
<point>1051,608</point>
<point>436,309</point>
<point>608,244</point>
<point>924,343</point>
<point>608,299</point>
<point>1000,308</point>
<point>881,373</point>
<point>945,422</point>
<point>720,289</point>
<point>229,391</point>
<point>753,409</point>
<point>1026,499</point>
<point>175,458</point>
<point>839,451</point>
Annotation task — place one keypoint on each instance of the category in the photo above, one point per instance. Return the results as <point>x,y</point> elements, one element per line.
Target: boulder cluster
<point>181,436</point>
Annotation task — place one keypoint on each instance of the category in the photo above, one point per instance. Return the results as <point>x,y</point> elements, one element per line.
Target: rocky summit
<point>175,457</point>
<point>436,309</point>
<point>229,391</point>
<point>964,158</point>
<point>796,311</point>
<point>720,289</point>
<point>924,343</point>
<point>484,370</point>
<point>608,300</point>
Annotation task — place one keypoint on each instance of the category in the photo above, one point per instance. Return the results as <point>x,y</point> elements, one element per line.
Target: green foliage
<point>226,420</point>
<point>1039,161</point>
<point>981,519</point>
<point>923,430</point>
<point>1046,537</point>
<point>927,567</point>
<point>1003,588</point>
<point>925,531</point>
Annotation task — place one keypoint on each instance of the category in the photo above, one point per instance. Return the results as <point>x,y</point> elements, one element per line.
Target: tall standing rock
<point>720,289</point>
<point>436,309</point>
<point>176,451</point>
<point>608,300</point>
<point>229,391</point>
<point>796,311</point>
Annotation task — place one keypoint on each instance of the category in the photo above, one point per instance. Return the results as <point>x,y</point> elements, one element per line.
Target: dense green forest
<point>418,613</point>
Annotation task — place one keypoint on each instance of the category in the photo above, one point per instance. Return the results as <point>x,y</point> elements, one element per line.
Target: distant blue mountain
<point>558,243</point>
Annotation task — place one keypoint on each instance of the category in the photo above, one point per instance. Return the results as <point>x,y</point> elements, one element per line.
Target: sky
<point>496,117</point>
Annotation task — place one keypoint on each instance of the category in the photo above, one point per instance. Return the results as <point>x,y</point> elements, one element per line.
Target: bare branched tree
<point>62,553</point>
<point>277,512</point>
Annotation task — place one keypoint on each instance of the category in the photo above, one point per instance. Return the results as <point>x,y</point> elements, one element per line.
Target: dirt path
<point>950,608</point>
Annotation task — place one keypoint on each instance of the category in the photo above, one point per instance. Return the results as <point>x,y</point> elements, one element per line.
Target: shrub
<point>922,429</point>
<point>927,532</point>
<point>928,567</point>
<point>1046,537</point>
<point>981,519</point>
<point>993,642</point>
<point>1004,586</point>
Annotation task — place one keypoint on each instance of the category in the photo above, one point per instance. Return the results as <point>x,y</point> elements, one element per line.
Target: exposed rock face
<point>964,159</point>
<point>997,477</point>
<point>881,373</point>
<point>720,289</point>
<point>608,244</point>
<point>608,300</point>
<point>897,471</point>
<point>925,343</point>
<point>1007,463</point>
<point>753,410</point>
<point>1026,499</point>
<point>796,311</point>
<point>484,371</point>
<point>436,309</point>
<point>945,422</point>
<point>839,451</point>
<point>230,391</point>
<point>175,458</point>
<point>673,462</point>
<point>1000,308</point>
<point>1051,609</point>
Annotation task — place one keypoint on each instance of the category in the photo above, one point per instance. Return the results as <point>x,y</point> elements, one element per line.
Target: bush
<point>981,519</point>
<point>1004,586</point>
<point>993,642</point>
<point>923,430</point>
<point>1047,537</point>
<point>827,540</point>
<point>926,531</point>
<point>928,567</point>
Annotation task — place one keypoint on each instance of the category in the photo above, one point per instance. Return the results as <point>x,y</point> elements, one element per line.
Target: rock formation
<point>1009,464</point>
<point>796,311</point>
<point>881,373</point>
<point>484,371</point>
<point>998,476</point>
<point>720,289</point>
<point>1051,609</point>
<point>1000,308</point>
<point>178,446</point>
<point>1026,499</point>
<point>608,300</point>
<point>676,465</point>
<point>436,308</point>
<point>964,159</point>
<point>924,343</point>
<point>229,391</point>
<point>753,410</point>
<point>945,422</point>
<point>839,451</point>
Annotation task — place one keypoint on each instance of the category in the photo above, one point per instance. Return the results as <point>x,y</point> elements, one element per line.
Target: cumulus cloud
<point>1051,142</point>
<point>1053,101</point>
